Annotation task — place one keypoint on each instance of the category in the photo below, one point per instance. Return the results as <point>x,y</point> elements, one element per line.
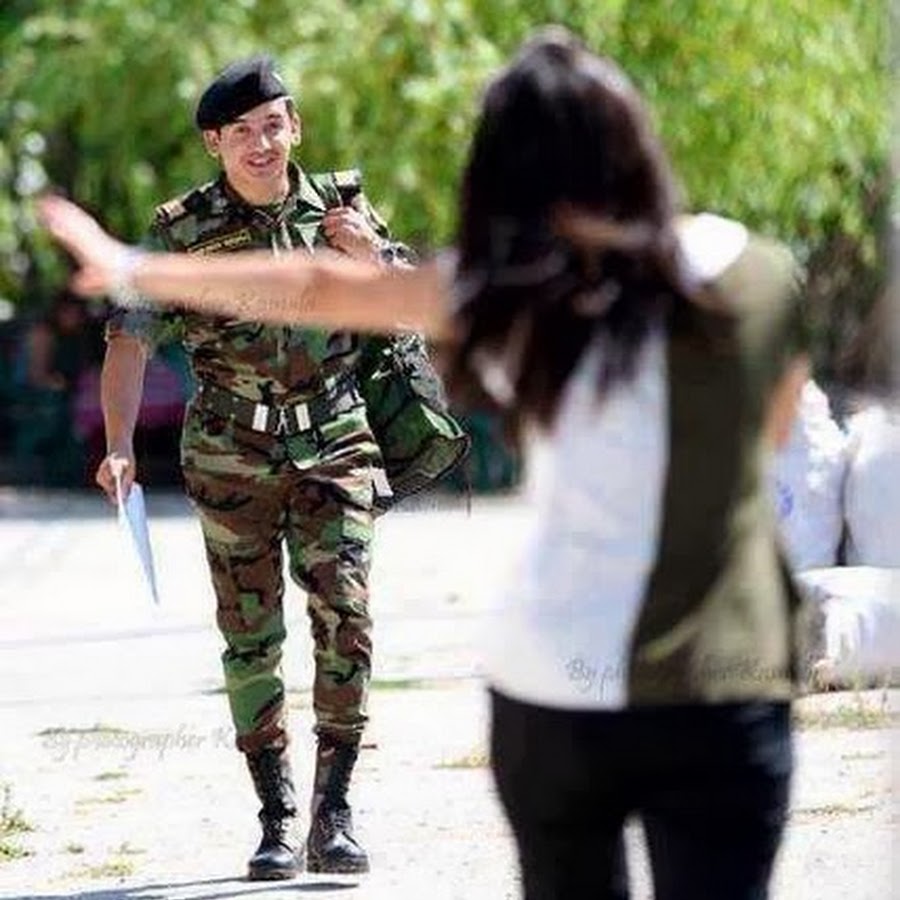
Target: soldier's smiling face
<point>254,148</point>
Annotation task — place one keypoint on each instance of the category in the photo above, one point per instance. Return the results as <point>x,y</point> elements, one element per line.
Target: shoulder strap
<point>337,188</point>
<point>348,183</point>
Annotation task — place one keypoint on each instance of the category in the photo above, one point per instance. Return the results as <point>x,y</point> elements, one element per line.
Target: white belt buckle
<point>260,417</point>
<point>301,413</point>
<point>382,485</point>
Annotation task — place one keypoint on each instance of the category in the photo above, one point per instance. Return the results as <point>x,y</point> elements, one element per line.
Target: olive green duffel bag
<point>420,441</point>
<point>407,409</point>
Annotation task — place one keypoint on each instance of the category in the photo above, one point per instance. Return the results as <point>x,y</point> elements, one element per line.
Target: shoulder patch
<point>190,202</point>
<point>348,183</point>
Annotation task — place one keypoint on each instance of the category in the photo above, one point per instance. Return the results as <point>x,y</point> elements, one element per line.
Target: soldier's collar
<point>300,189</point>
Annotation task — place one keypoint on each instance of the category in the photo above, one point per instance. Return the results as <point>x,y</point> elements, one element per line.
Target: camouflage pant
<point>255,493</point>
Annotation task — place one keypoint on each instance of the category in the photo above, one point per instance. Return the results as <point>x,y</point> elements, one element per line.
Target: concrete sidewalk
<point>117,746</point>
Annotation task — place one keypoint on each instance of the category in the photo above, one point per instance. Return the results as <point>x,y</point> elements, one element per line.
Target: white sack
<point>859,616</point>
<point>872,489</point>
<point>807,483</point>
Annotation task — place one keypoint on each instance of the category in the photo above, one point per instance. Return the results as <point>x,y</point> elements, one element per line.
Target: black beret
<point>238,88</point>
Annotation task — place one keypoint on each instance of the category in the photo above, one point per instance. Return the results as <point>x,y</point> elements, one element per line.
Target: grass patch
<point>112,868</point>
<point>93,729</point>
<point>834,810</point>
<point>475,759</point>
<point>118,797</point>
<point>110,776</point>
<point>863,757</point>
<point>855,716</point>
<point>127,850</point>
<point>74,848</point>
<point>397,684</point>
<point>301,698</point>
<point>12,822</point>
<point>302,695</point>
<point>222,690</point>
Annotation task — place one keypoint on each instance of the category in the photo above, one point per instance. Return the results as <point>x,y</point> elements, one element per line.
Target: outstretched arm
<point>326,290</point>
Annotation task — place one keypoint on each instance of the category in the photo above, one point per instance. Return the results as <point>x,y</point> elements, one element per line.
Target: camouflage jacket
<point>264,363</point>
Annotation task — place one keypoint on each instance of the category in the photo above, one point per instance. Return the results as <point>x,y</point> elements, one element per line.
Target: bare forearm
<point>121,389</point>
<point>783,405</point>
<point>325,291</point>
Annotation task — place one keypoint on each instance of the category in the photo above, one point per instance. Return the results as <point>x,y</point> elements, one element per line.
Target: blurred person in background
<point>54,352</point>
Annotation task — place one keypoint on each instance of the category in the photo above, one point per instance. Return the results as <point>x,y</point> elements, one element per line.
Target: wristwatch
<point>395,255</point>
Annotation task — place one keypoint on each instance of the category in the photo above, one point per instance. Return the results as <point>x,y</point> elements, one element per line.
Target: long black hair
<point>566,229</point>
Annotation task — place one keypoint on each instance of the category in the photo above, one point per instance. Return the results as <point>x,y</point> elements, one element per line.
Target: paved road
<point>116,744</point>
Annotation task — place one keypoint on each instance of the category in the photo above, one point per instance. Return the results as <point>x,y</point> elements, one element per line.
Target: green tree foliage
<point>775,111</point>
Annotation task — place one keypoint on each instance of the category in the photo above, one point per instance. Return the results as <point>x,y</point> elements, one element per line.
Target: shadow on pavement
<point>209,889</point>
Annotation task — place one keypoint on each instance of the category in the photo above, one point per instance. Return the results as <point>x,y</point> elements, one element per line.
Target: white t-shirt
<point>561,634</point>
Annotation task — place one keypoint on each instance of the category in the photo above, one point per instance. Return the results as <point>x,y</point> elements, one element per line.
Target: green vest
<point>721,617</point>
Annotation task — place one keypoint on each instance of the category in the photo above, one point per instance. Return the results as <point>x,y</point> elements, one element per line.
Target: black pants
<point>710,784</point>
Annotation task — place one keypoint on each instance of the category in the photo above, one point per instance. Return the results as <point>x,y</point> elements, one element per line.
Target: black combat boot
<point>331,846</point>
<point>280,854</point>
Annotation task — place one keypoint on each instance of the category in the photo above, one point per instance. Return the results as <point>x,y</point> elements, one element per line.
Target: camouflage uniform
<point>257,475</point>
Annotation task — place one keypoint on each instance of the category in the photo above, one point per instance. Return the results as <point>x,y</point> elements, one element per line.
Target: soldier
<point>276,449</point>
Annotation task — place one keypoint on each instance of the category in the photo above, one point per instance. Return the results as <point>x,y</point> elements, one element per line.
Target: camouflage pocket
<point>350,485</point>
<point>357,531</point>
<point>346,430</point>
<point>207,441</point>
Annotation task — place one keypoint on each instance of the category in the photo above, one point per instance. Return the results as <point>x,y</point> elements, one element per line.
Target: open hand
<point>98,254</point>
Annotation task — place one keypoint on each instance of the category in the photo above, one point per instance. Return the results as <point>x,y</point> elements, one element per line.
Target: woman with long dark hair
<point>645,658</point>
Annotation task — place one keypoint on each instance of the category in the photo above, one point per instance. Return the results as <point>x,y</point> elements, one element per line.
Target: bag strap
<point>337,188</point>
